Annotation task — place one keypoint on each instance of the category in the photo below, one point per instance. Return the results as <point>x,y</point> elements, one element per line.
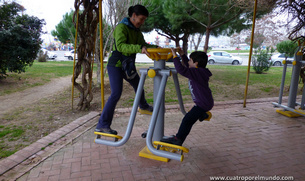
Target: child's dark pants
<point>188,121</point>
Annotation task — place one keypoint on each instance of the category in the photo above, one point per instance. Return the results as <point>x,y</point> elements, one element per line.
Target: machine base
<point>147,154</point>
<point>288,113</point>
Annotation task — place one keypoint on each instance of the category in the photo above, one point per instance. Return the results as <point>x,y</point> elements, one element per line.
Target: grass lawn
<point>38,74</point>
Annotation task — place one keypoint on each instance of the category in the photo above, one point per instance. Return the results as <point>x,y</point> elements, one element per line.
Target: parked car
<point>223,58</point>
<point>50,55</point>
<point>70,55</point>
<point>278,58</point>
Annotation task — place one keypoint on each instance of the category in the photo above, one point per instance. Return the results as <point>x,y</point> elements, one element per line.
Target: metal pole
<point>250,54</point>
<point>155,124</point>
<point>159,128</point>
<point>283,82</point>
<point>101,55</point>
<point>293,90</point>
<point>178,91</point>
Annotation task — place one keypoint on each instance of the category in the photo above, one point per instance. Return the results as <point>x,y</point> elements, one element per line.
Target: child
<point>197,73</point>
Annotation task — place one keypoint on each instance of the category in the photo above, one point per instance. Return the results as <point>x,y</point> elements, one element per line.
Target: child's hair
<point>200,57</point>
<point>138,9</point>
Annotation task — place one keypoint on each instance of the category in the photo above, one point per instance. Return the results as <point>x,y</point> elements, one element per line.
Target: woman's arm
<point>144,44</point>
<point>126,41</point>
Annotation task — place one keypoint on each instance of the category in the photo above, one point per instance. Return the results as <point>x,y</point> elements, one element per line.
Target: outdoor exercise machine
<point>154,149</point>
<point>290,110</point>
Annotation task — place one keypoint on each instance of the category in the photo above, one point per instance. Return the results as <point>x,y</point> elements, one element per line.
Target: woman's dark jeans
<point>116,76</point>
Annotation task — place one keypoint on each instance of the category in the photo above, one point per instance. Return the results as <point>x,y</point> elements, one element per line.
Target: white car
<point>50,55</point>
<point>223,57</point>
<point>70,55</point>
<point>278,58</point>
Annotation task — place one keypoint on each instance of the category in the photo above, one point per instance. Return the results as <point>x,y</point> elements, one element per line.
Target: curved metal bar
<point>132,115</point>
<point>178,91</point>
<point>282,83</point>
<point>153,121</point>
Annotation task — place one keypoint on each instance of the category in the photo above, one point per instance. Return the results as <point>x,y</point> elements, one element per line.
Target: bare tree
<point>209,16</point>
<point>271,26</point>
<point>195,40</point>
<point>296,11</point>
<point>236,39</point>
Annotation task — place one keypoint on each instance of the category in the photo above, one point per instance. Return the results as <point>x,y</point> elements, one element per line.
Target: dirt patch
<point>37,112</point>
<point>32,95</point>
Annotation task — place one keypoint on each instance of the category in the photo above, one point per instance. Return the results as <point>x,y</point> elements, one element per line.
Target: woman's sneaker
<point>106,130</point>
<point>148,110</point>
<point>172,140</point>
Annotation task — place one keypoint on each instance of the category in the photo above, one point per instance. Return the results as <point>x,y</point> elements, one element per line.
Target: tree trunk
<point>207,38</point>
<point>87,23</point>
<point>185,43</point>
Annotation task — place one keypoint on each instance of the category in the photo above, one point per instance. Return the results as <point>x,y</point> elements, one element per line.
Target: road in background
<point>142,58</point>
<point>60,56</point>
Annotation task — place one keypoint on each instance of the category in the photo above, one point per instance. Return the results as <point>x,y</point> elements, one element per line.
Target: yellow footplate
<point>99,134</point>
<point>171,148</point>
<point>145,112</point>
<point>289,114</point>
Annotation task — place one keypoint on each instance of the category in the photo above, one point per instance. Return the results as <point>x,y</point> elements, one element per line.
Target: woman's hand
<point>144,50</point>
<point>174,52</point>
<point>180,51</point>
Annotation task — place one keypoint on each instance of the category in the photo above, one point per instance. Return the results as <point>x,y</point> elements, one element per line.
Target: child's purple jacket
<point>198,83</point>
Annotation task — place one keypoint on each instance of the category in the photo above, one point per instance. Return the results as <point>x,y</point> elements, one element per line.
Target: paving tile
<point>96,175</point>
<point>80,174</point>
<point>76,167</point>
<point>65,173</point>
<point>237,141</point>
<point>50,172</point>
<point>72,160</point>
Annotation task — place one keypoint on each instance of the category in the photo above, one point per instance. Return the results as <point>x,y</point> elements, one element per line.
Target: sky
<point>51,11</point>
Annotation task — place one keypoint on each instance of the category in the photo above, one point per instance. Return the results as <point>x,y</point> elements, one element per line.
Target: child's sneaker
<point>172,140</point>
<point>207,116</point>
<point>148,110</point>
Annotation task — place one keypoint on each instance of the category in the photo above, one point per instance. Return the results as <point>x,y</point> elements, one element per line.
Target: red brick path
<point>252,141</point>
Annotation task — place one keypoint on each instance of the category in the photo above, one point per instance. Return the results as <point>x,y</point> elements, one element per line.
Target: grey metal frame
<point>293,86</point>
<point>156,126</point>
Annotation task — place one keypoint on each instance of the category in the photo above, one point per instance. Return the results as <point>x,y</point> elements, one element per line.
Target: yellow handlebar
<point>160,53</point>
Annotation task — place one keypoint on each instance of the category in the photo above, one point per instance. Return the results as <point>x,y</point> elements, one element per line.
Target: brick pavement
<point>237,141</point>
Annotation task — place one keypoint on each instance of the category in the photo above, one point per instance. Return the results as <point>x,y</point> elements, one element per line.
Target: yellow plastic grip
<point>151,73</point>
<point>294,62</point>
<point>160,53</point>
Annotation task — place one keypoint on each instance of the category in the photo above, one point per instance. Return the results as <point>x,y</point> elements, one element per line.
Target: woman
<point>128,41</point>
